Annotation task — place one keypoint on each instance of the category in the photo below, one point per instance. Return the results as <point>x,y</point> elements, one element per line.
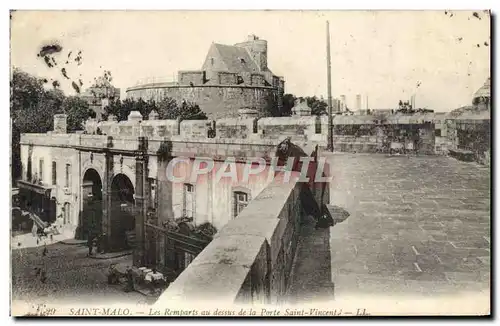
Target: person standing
<point>90,243</point>
<point>130,280</point>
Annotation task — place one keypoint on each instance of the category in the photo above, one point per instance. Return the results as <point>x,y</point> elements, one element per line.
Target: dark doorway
<point>91,215</point>
<point>122,217</point>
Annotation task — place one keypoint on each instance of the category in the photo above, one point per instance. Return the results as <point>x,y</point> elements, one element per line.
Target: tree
<point>33,109</point>
<point>288,103</point>
<point>78,111</point>
<point>186,111</point>
<point>318,106</point>
<point>26,91</point>
<point>121,109</point>
<point>167,108</point>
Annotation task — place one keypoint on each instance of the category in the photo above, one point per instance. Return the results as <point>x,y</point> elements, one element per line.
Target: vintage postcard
<point>250,163</point>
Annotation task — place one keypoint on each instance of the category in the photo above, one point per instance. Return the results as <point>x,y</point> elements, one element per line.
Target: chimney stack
<point>358,102</point>
<point>343,104</point>
<point>60,124</point>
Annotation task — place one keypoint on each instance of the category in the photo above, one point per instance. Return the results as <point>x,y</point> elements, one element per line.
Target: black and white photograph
<point>260,163</point>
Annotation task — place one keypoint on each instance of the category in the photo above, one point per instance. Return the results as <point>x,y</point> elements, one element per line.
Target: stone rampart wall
<point>250,258</point>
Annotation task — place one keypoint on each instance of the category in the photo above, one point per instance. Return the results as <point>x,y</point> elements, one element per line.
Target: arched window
<point>241,198</point>
<point>66,213</point>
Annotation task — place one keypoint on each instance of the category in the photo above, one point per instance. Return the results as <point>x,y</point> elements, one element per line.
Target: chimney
<point>342,103</point>
<point>60,124</point>
<point>301,108</point>
<point>358,102</point>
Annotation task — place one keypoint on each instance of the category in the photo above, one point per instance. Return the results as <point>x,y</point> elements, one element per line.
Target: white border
<point>192,5</point>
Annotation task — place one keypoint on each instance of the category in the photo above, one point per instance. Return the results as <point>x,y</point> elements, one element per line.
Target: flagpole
<point>329,83</point>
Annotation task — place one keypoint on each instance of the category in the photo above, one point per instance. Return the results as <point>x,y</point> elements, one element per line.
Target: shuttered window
<point>67,182</point>
<point>40,171</point>
<point>240,201</point>
<point>54,173</point>
<point>189,200</point>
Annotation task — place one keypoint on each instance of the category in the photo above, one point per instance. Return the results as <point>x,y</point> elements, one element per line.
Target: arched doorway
<point>66,213</point>
<point>91,214</point>
<point>122,217</point>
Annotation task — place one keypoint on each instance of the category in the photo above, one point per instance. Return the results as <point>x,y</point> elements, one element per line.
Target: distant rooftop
<point>485,90</point>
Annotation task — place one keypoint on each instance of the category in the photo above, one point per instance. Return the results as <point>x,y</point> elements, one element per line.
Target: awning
<point>39,189</point>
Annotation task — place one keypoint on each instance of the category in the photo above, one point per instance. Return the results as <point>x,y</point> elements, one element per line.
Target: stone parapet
<point>250,258</point>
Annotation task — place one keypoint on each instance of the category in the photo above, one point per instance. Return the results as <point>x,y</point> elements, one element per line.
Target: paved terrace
<point>418,226</point>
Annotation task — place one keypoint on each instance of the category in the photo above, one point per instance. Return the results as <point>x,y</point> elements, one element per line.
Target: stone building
<point>116,183</point>
<point>232,77</point>
<point>470,129</point>
<point>99,95</point>
<point>482,97</point>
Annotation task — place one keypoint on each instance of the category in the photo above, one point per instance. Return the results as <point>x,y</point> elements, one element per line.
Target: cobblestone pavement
<point>71,277</point>
<point>418,225</point>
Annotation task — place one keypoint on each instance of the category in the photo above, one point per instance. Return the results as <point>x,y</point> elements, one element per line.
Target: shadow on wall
<point>312,272</point>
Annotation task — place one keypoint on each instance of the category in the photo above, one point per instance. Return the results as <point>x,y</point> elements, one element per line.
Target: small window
<point>241,200</point>
<point>212,61</point>
<point>189,187</point>
<point>242,61</point>
<point>189,201</point>
<point>54,173</point>
<point>67,181</point>
<point>438,132</point>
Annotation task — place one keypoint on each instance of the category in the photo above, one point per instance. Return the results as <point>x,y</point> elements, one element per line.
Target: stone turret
<point>301,108</point>
<point>257,49</point>
<point>60,124</point>
<point>482,97</point>
<point>153,115</point>
<point>134,116</point>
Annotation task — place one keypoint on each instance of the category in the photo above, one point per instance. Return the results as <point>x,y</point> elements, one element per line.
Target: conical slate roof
<point>484,91</point>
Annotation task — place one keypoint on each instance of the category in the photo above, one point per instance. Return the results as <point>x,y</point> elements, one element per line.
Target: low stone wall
<point>250,258</point>
<point>195,128</point>
<point>304,130</point>
<point>300,128</point>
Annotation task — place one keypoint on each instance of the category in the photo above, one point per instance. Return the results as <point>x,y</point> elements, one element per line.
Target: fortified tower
<point>257,49</point>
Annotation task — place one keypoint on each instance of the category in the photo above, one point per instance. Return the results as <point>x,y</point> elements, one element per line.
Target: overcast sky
<point>382,55</point>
